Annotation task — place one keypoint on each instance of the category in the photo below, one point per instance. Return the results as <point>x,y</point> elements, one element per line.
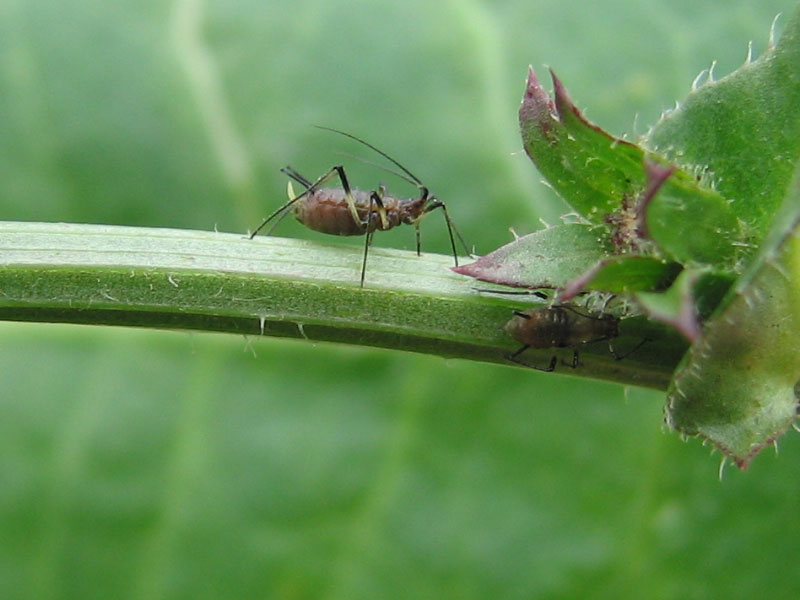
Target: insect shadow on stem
<point>350,211</point>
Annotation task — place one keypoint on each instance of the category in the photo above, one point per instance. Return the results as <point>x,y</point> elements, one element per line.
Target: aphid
<point>347,211</point>
<point>562,326</point>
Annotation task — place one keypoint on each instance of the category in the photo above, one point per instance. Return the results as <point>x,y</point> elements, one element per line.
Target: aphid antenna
<point>381,167</point>
<point>415,179</point>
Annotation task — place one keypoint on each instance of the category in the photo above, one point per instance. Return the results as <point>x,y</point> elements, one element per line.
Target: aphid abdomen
<point>560,327</point>
<point>586,329</point>
<point>390,205</point>
<point>541,327</point>
<point>326,210</point>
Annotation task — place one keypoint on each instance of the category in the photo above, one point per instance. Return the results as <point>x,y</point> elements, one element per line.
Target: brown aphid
<point>561,326</point>
<point>347,211</point>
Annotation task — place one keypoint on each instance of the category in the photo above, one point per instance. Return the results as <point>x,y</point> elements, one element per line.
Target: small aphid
<point>561,326</point>
<point>347,211</point>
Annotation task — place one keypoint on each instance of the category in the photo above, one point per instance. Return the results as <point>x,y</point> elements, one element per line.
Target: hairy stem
<point>181,279</point>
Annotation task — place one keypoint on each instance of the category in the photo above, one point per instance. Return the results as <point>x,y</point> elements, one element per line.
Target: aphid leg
<point>575,360</point>
<point>290,172</point>
<point>275,224</point>
<point>451,227</point>
<point>515,359</point>
<point>518,352</point>
<point>378,197</point>
<point>348,194</point>
<point>629,352</point>
<point>367,244</point>
<point>309,188</point>
<point>515,356</point>
<point>435,203</point>
<point>375,199</point>
<point>291,193</point>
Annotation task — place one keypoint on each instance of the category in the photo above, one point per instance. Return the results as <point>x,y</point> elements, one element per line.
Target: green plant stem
<point>181,279</point>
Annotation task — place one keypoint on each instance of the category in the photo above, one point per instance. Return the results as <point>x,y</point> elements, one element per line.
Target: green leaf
<point>692,297</point>
<point>737,385</point>
<point>716,236</point>
<point>613,182</point>
<point>549,258</point>
<point>623,275</point>
<point>569,257</point>
<point>742,132</point>
<point>589,168</point>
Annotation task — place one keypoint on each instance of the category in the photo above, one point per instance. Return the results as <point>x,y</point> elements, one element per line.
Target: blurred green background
<point>142,464</point>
